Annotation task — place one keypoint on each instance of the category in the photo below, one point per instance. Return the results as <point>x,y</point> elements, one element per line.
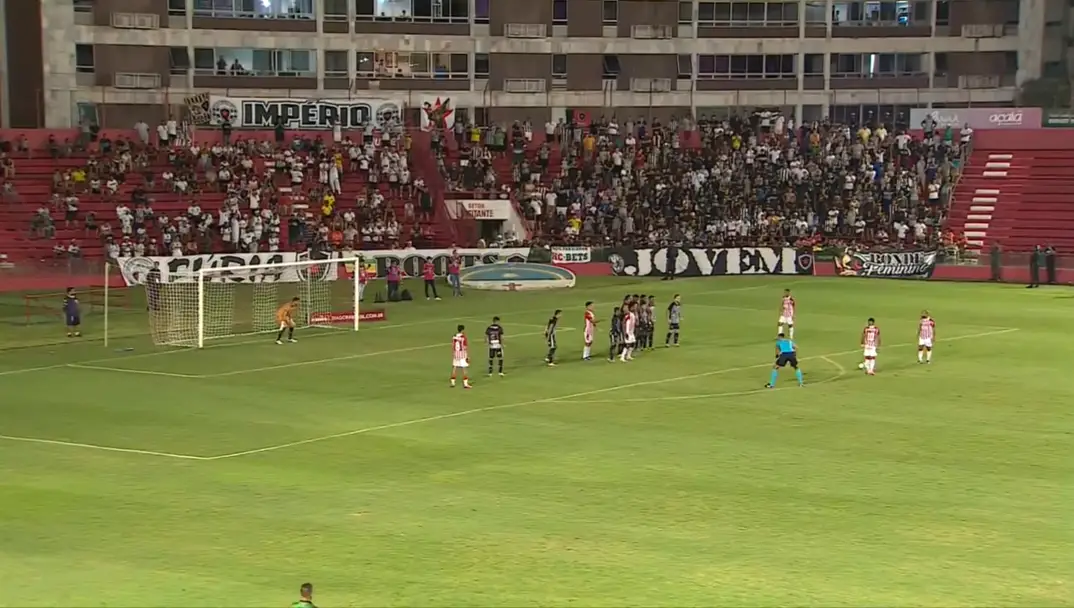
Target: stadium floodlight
<point>214,303</point>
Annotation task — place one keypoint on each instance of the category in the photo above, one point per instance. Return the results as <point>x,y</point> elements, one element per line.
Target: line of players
<point>632,328</point>
<point>787,350</point>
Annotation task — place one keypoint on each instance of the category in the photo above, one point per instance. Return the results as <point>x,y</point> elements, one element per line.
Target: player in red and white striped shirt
<point>630,324</point>
<point>926,333</point>
<point>590,331</point>
<point>870,342</point>
<point>460,357</point>
<point>786,314</point>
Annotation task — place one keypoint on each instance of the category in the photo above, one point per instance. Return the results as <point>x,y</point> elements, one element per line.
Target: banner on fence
<point>266,113</point>
<point>1058,119</point>
<point>890,264</point>
<point>229,267</point>
<point>492,209</point>
<point>437,113</point>
<point>979,118</point>
<point>572,255</point>
<point>413,261</point>
<point>711,262</point>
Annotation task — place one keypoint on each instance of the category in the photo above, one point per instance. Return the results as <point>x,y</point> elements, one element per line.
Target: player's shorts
<point>786,320</point>
<point>461,363</point>
<point>495,353</point>
<point>673,327</point>
<point>784,359</point>
<point>73,321</point>
<point>629,339</point>
<point>588,337</point>
<point>870,351</point>
<point>284,324</point>
<point>924,342</point>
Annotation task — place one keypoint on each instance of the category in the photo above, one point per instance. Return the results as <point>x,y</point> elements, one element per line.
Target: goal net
<point>214,303</point>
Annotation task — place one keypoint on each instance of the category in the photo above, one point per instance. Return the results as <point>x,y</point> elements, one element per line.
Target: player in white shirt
<point>630,323</point>
<point>870,342</point>
<point>926,333</point>
<point>786,314</point>
<point>460,357</point>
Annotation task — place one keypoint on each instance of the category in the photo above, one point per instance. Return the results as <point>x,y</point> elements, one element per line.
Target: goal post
<point>187,310</point>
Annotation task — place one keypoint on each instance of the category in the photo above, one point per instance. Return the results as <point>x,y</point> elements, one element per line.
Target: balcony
<point>991,81</point>
<point>983,30</point>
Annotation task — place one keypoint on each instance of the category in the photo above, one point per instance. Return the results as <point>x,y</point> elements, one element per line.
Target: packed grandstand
<point>753,180</point>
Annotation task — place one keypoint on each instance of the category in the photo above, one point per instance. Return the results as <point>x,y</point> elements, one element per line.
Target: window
<point>256,62</point>
<point>175,7</point>
<point>365,9</point>
<point>816,12</point>
<point>335,64</point>
<point>559,66</point>
<point>685,66</point>
<point>1010,60</point>
<point>335,10</point>
<point>262,9</point>
<point>706,12</point>
<point>481,11</point>
<point>610,12</point>
<point>876,65</point>
<point>365,64</point>
<point>441,11</point>
<point>814,64</point>
<point>706,65</point>
<point>481,65</point>
<point>83,6</point>
<point>922,14</point>
<point>84,58</point>
<point>459,65</point>
<point>686,12</point>
<point>943,12</point>
<point>559,12</point>
<point>610,65</point>
<point>939,64</point>
<point>205,60</point>
<point>180,60</point>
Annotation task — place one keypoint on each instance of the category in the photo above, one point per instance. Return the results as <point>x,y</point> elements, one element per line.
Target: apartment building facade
<point>118,61</point>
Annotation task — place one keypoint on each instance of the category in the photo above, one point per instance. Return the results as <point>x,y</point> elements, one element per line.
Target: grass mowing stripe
<point>570,397</point>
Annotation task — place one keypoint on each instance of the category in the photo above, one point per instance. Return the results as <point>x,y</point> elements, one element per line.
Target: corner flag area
<point>137,475</point>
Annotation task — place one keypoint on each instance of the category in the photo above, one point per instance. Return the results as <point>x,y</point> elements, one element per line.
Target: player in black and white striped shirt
<point>550,337</point>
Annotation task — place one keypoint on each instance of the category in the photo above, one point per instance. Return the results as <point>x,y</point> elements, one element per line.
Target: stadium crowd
<point>237,195</point>
<point>757,180</point>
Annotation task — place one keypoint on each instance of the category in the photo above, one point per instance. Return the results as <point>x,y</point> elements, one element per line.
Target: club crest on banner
<point>437,113</point>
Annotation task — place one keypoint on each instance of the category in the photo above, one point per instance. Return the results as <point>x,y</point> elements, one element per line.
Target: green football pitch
<point>134,476</point>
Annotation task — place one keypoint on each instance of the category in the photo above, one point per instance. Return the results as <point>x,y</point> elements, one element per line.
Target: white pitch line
<point>101,448</point>
<point>146,372</point>
<point>394,351</point>
<point>599,391</point>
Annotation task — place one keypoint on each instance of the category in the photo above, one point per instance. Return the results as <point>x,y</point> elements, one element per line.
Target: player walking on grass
<point>674,318</point>
<point>615,334</point>
<point>494,338</point>
<point>72,313</point>
<point>651,330</point>
<point>285,317</point>
<point>786,313</point>
<point>786,354</point>
<point>926,333</point>
<point>641,324</point>
<point>305,598</point>
<point>460,357</point>
<point>590,331</point>
<point>630,323</point>
<point>550,337</point>
<point>870,342</point>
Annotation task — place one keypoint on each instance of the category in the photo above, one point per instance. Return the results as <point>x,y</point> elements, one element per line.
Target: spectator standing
<point>143,132</point>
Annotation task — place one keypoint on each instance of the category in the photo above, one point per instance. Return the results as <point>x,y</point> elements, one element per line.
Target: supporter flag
<point>199,107</point>
<point>578,117</point>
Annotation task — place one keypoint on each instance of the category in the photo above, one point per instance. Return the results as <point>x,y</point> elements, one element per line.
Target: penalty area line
<point>561,398</point>
<point>121,370</point>
<point>99,448</point>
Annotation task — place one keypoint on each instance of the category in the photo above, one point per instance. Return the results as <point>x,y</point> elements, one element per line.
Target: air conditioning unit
<point>991,81</point>
<point>136,21</point>
<point>133,80</point>
<point>524,85</point>
<point>525,30</point>
<point>650,85</point>
<point>982,30</point>
<point>651,32</point>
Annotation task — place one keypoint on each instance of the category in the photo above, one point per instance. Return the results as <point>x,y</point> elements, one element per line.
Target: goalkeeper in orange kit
<point>285,316</point>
